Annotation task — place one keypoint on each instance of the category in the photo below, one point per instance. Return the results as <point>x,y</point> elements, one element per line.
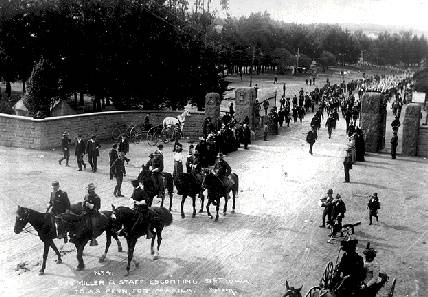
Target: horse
<point>127,217</point>
<point>145,177</point>
<point>217,190</point>
<point>75,224</point>
<point>188,185</point>
<point>42,223</point>
<point>179,120</point>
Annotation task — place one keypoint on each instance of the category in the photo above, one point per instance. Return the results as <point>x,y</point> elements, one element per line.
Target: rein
<point>27,230</point>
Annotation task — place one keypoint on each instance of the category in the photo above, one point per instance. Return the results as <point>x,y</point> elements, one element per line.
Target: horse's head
<point>292,292</point>
<point>22,218</point>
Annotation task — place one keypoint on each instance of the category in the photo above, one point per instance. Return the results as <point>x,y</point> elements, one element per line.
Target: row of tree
<point>165,51</point>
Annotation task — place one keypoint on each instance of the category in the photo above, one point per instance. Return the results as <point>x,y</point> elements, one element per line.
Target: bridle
<point>26,217</point>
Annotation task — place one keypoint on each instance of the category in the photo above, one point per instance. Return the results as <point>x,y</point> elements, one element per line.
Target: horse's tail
<point>164,215</point>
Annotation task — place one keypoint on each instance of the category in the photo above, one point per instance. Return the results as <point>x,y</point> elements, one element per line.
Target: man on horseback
<point>156,166</point>
<point>58,203</point>
<point>351,265</point>
<point>222,170</point>
<point>91,207</point>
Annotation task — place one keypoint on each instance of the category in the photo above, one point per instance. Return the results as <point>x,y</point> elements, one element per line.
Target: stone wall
<point>423,141</point>
<point>18,131</point>
<point>373,121</point>
<point>411,124</point>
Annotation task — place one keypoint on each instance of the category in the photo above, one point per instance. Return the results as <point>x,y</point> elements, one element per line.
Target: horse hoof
<point>137,265</point>
<point>80,268</point>
<point>183,216</point>
<point>170,209</point>
<point>127,273</point>
<point>59,261</point>
<point>156,257</point>
<point>201,211</point>
<point>41,272</point>
<point>152,252</point>
<point>211,217</point>
<point>216,219</point>
<point>193,215</point>
<point>224,214</point>
<point>233,211</point>
<point>101,259</point>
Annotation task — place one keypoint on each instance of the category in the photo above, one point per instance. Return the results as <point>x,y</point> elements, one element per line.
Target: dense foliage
<point>169,51</point>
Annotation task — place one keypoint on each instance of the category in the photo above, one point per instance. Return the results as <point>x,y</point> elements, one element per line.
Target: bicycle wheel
<point>138,134</point>
<point>153,136</point>
<point>117,131</point>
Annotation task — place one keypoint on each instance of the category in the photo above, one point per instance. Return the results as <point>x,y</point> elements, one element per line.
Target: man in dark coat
<point>123,146</point>
<point>246,136</point>
<point>295,113</point>
<point>395,124</point>
<point>93,151</point>
<point>119,172</point>
<point>360,145</point>
<point>223,171</point>
<point>394,144</point>
<point>113,156</point>
<point>326,203</point>
<point>65,144</point>
<point>80,151</point>
<point>141,205</point>
<point>339,207</point>
<point>347,165</point>
<point>330,123</point>
<point>91,207</point>
<point>156,164</point>
<point>311,137</point>
<point>301,113</point>
<point>373,206</point>
<point>351,264</point>
<point>58,204</point>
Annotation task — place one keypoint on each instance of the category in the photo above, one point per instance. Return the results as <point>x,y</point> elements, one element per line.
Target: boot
<point>149,234</point>
<point>93,242</point>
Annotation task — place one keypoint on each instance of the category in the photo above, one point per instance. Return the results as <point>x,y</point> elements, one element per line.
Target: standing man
<point>395,124</point>
<point>347,164</point>
<point>58,203</point>
<point>394,144</point>
<point>80,152</point>
<point>266,106</point>
<point>246,137</point>
<point>65,144</point>
<point>91,207</point>
<point>119,172</point>
<point>311,137</point>
<point>123,146</point>
<point>231,109</point>
<point>93,151</point>
<point>326,203</point>
<point>373,207</point>
<point>330,124</point>
<point>112,156</point>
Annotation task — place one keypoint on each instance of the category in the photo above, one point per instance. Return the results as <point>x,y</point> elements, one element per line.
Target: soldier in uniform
<point>223,171</point>
<point>373,207</point>
<point>80,151</point>
<point>394,144</point>
<point>91,207</point>
<point>156,166</point>
<point>351,264</point>
<point>58,203</point>
<point>65,144</point>
<point>119,172</point>
<point>326,203</point>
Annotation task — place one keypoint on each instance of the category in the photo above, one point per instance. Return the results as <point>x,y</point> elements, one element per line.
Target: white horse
<point>169,122</point>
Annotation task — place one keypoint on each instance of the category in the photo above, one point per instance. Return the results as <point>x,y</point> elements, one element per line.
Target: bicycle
<point>134,132</point>
<point>159,133</point>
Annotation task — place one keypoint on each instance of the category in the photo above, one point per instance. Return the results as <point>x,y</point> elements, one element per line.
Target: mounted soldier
<point>58,203</point>
<point>91,207</point>
<point>155,164</point>
<point>222,170</point>
<point>142,202</point>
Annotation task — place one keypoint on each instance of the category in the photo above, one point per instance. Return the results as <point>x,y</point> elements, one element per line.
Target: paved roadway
<point>274,235</point>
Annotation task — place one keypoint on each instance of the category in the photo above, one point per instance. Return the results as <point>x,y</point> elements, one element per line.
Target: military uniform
<point>142,202</point>
<point>223,171</point>
<point>92,213</point>
<point>156,162</point>
<point>58,202</point>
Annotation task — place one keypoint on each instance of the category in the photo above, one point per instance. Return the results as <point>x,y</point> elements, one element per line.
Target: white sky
<point>407,13</point>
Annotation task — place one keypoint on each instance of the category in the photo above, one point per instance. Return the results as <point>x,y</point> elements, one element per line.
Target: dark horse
<point>75,223</point>
<point>160,217</point>
<point>43,224</point>
<point>188,185</point>
<point>216,190</point>
<point>145,177</point>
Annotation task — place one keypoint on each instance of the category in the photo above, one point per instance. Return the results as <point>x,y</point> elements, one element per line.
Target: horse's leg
<point>131,245</point>
<point>226,198</point>
<point>183,199</point>
<point>119,244</point>
<point>170,200</point>
<point>159,241</point>
<point>108,242</point>
<point>45,255</point>
<point>55,249</point>
<point>202,197</point>
<point>163,198</point>
<point>208,209</point>
<point>81,264</point>
<point>233,202</point>
<point>217,207</point>
<point>194,205</point>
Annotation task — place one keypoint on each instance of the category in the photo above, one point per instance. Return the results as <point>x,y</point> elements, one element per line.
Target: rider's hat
<point>374,195</point>
<point>330,191</point>
<point>369,252</point>
<point>219,155</point>
<point>338,196</point>
<point>349,245</point>
<point>91,186</point>
<point>55,183</point>
<point>160,146</point>
<point>191,146</point>
<point>135,183</point>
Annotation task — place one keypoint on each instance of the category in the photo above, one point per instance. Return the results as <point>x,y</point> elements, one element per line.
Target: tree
<point>282,59</point>
<point>42,88</point>
<point>326,59</point>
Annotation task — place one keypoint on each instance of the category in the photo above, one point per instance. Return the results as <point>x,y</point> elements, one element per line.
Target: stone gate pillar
<point>373,121</point>
<point>411,124</point>
<point>212,107</point>
<point>244,105</point>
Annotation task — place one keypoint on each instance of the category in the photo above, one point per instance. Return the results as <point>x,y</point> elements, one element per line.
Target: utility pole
<point>252,63</point>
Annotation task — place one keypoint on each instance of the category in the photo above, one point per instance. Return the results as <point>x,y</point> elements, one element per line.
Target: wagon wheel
<point>117,131</point>
<point>326,279</point>
<point>391,291</point>
<point>312,291</point>
<point>154,136</point>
